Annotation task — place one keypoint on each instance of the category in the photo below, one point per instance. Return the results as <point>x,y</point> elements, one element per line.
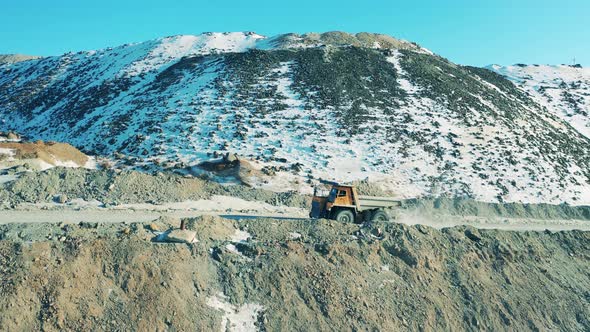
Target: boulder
<point>153,227</point>
<point>181,236</point>
<point>12,136</point>
<point>232,157</point>
<point>61,199</point>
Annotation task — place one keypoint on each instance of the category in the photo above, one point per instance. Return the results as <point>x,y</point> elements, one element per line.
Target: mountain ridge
<point>12,58</point>
<point>290,40</point>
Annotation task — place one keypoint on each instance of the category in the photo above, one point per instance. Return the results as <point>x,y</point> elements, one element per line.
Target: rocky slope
<point>332,106</point>
<point>280,275</point>
<point>563,90</point>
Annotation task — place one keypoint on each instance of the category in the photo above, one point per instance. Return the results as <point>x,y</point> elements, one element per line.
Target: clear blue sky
<point>475,32</point>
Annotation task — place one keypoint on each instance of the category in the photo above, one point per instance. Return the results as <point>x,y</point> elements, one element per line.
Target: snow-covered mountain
<point>332,106</point>
<point>564,90</point>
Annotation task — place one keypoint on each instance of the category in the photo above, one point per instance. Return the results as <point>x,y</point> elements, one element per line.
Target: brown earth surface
<point>49,152</point>
<point>306,276</point>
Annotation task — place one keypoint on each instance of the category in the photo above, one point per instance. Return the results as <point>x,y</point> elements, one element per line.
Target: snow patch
<point>240,236</point>
<point>173,48</point>
<point>235,318</point>
<point>9,152</point>
<point>403,81</point>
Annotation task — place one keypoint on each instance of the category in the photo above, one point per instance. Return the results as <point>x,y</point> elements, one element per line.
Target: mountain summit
<point>12,58</point>
<point>314,106</point>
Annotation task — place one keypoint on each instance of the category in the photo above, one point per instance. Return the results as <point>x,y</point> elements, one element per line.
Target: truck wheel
<point>344,216</point>
<point>379,216</point>
<point>366,216</point>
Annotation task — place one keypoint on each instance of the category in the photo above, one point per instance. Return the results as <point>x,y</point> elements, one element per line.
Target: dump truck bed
<point>376,202</point>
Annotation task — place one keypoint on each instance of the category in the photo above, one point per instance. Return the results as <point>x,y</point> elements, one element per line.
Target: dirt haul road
<point>114,216</point>
<point>74,195</point>
<point>409,218</point>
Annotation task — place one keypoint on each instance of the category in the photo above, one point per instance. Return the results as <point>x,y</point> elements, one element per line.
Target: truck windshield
<point>332,196</point>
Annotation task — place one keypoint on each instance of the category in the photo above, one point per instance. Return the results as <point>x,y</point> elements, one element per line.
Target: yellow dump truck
<point>343,203</point>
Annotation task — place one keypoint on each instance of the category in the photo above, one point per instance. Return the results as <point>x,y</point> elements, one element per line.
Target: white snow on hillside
<point>175,47</point>
<point>127,96</point>
<point>564,90</point>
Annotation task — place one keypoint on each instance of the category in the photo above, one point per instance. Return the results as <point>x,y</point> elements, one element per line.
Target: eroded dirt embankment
<point>292,275</point>
<point>128,187</point>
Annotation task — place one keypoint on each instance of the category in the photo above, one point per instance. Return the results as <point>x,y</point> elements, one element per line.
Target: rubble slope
<point>291,275</point>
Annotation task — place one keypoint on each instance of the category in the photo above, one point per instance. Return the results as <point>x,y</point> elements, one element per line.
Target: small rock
<point>232,157</point>
<point>88,225</point>
<point>472,235</point>
<point>377,232</point>
<point>61,199</point>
